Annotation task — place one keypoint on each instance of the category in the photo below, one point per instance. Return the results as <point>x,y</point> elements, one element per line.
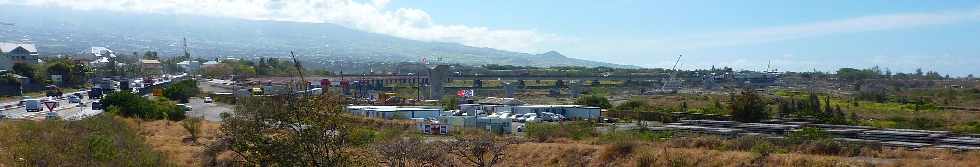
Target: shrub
<point>746,143</point>
<point>545,131</point>
<point>763,148</point>
<point>698,142</point>
<point>193,127</point>
<point>634,105</point>
<point>594,101</point>
<point>289,131</point>
<point>542,131</point>
<point>131,105</point>
<point>807,134</point>
<point>101,147</point>
<point>448,102</point>
<point>749,107</point>
<point>617,149</point>
<point>613,136</point>
<point>822,146</point>
<point>100,140</point>
<point>411,152</point>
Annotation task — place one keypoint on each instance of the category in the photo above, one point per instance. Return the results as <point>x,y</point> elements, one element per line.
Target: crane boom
<point>676,62</point>
<point>669,84</point>
<point>298,69</point>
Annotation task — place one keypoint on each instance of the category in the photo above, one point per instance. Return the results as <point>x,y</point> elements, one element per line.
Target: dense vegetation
<point>72,73</point>
<point>182,90</point>
<point>594,101</point>
<point>261,67</point>
<point>96,141</point>
<point>749,107</point>
<point>131,105</point>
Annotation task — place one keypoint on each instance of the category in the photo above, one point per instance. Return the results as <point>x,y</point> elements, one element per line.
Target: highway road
<point>65,110</point>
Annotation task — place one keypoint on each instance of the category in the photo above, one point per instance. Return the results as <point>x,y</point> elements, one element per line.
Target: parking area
<point>208,111</point>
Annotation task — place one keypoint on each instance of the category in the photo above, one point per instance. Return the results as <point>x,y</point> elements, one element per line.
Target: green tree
<point>289,131</point>
<point>182,90</point>
<point>449,102</point>
<point>151,55</point>
<point>9,80</point>
<point>749,107</point>
<point>594,101</point>
<point>25,70</point>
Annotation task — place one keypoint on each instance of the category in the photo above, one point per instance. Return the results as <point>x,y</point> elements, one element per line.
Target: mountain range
<point>64,31</point>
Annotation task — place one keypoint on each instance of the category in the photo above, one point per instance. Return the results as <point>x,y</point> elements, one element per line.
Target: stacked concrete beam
<point>710,123</point>
<point>767,128</point>
<point>964,141</point>
<point>902,136</point>
<point>728,132</point>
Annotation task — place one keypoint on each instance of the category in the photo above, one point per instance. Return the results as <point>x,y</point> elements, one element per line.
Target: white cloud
<point>371,16</point>
<point>820,28</point>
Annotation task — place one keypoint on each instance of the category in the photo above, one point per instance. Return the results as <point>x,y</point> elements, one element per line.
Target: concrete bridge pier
<point>509,90</point>
<point>477,83</point>
<point>439,74</point>
<point>576,88</point>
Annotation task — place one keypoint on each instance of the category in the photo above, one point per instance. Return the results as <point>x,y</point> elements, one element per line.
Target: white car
<point>504,115</point>
<point>532,118</point>
<point>74,99</point>
<point>208,100</point>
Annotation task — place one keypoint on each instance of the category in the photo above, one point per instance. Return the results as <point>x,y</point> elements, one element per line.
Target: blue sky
<point>900,35</point>
<point>901,48</point>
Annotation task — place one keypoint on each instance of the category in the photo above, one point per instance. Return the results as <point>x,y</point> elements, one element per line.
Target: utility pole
<point>187,53</point>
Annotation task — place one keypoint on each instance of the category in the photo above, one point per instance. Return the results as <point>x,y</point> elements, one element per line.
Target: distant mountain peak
<point>552,54</point>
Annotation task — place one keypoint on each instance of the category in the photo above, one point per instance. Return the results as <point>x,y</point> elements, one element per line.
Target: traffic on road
<point>73,105</point>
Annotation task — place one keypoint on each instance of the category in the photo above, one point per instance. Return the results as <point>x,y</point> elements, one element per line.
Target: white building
<point>12,53</point>
<point>98,55</point>
<point>396,112</point>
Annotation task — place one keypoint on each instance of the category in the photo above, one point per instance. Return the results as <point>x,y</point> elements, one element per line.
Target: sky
<point>900,35</point>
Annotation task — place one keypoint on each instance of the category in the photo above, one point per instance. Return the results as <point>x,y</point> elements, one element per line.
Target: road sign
<point>51,105</point>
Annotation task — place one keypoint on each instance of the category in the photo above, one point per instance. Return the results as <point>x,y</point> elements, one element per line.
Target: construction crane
<point>299,69</point>
<point>670,84</point>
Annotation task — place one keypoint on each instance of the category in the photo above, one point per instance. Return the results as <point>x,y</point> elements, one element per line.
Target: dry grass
<point>550,154</point>
<point>662,154</point>
<point>168,137</point>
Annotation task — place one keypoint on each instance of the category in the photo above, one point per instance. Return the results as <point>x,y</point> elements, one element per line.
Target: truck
<point>95,93</point>
<point>53,91</point>
<point>33,105</point>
